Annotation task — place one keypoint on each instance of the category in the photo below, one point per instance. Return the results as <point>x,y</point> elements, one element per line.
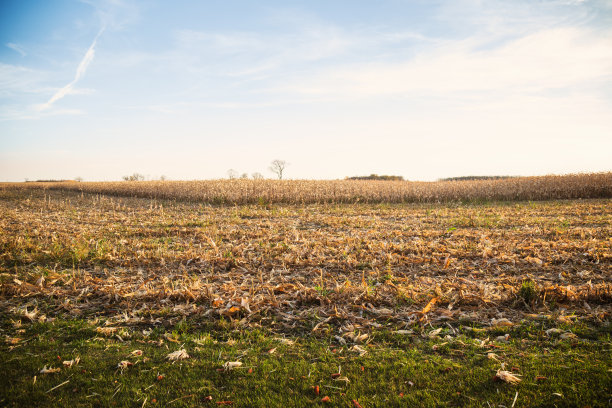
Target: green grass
<point>397,370</point>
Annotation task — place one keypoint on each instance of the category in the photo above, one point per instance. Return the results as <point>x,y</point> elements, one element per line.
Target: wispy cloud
<point>16,48</point>
<point>555,58</point>
<point>80,72</point>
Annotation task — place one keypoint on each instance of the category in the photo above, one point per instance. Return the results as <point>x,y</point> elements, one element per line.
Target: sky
<point>188,89</point>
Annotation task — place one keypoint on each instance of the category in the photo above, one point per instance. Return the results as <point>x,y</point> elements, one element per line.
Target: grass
<point>398,369</point>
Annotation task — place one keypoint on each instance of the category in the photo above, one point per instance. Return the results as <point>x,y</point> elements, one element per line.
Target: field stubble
<point>317,267</point>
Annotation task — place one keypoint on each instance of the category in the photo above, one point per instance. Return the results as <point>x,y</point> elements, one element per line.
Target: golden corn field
<point>596,185</point>
<point>310,261</point>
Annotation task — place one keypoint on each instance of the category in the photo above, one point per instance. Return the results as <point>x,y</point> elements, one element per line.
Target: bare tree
<point>134,177</point>
<point>79,179</point>
<point>278,167</point>
<point>232,174</point>
<point>257,176</point>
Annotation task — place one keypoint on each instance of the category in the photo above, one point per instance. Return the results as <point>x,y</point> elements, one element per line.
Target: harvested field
<point>146,261</point>
<point>118,301</point>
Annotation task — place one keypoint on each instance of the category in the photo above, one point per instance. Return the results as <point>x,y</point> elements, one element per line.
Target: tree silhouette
<point>278,167</point>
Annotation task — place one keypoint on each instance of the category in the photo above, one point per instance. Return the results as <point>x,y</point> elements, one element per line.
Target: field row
<point>596,185</point>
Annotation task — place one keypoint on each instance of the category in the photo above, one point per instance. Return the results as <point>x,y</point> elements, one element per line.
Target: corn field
<point>595,185</point>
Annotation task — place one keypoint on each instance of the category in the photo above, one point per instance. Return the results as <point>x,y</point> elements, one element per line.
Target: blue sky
<point>189,89</point>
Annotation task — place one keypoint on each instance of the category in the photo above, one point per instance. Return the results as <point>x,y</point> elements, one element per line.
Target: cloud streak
<point>80,72</point>
<point>16,48</point>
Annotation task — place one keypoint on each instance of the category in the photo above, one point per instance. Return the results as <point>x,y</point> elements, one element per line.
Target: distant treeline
<point>470,178</point>
<point>47,181</point>
<point>376,177</point>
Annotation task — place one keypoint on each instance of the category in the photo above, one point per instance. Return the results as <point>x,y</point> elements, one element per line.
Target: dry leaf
<point>171,338</point>
<point>358,349</point>
<point>107,331</point>
<point>70,363</point>
<point>30,315</point>
<point>503,322</point>
<point>286,342</point>
<point>534,261</point>
<point>431,304</point>
<point>502,339</point>
<point>49,370</point>
<point>124,364</point>
<point>493,356</point>
<point>230,365</point>
<point>568,335</point>
<point>434,333</point>
<point>553,331</point>
<point>507,376</point>
<point>177,355</point>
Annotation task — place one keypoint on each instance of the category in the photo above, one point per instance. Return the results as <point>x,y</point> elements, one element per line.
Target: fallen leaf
<point>503,322</point>
<point>493,356</point>
<point>507,376</point>
<point>124,364</point>
<point>568,335</point>
<point>107,331</point>
<point>171,338</point>
<point>177,355</point>
<point>70,363</point>
<point>502,339</point>
<point>49,370</point>
<point>358,349</point>
<point>434,333</point>
<point>553,331</point>
<point>230,365</point>
<point>325,399</point>
<point>231,311</point>
<point>534,261</point>
<point>431,304</point>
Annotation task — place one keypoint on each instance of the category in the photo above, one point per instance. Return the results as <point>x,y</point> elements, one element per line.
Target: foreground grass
<point>417,368</point>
